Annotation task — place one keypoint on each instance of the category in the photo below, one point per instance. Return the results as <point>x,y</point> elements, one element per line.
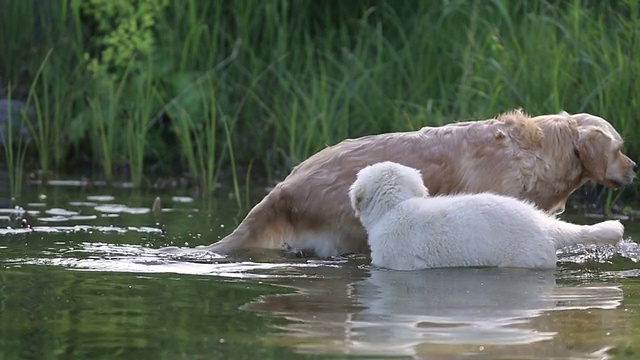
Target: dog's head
<point>381,186</point>
<point>599,148</point>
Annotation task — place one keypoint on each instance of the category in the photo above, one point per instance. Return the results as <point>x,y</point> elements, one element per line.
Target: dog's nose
<point>635,168</point>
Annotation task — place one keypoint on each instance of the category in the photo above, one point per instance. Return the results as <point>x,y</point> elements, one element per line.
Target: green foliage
<point>124,34</point>
<point>215,85</point>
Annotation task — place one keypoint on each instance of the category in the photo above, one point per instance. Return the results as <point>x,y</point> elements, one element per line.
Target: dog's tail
<point>265,226</point>
<point>567,234</point>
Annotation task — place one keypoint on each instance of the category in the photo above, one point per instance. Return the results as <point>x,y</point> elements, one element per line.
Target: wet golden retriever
<point>542,159</point>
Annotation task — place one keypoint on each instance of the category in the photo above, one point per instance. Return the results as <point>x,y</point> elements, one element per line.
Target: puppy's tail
<point>265,226</point>
<point>567,234</point>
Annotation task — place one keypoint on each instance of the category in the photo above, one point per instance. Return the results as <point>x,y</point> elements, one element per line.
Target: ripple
<point>60,212</point>
<point>140,259</point>
<point>83,203</point>
<point>68,218</point>
<point>10,231</point>
<point>38,204</point>
<point>80,228</point>
<point>156,265</point>
<point>16,211</point>
<point>73,183</point>
<point>102,198</point>
<point>120,209</point>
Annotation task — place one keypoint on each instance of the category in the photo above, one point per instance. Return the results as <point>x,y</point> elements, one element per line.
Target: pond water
<point>86,281</point>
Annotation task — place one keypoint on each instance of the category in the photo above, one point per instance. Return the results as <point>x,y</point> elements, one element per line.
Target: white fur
<point>407,229</point>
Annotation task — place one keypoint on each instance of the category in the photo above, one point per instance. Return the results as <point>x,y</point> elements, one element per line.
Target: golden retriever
<point>542,159</point>
<point>407,229</point>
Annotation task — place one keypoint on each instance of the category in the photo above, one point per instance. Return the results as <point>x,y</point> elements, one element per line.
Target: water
<point>86,281</point>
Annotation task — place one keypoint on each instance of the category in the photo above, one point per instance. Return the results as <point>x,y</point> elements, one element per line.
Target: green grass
<point>268,83</point>
<point>197,135</point>
<point>14,149</point>
<point>139,117</point>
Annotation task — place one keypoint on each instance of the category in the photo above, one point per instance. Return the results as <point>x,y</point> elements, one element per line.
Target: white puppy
<point>407,229</point>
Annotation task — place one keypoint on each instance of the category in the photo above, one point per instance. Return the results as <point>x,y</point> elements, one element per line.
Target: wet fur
<point>541,159</point>
<point>409,230</point>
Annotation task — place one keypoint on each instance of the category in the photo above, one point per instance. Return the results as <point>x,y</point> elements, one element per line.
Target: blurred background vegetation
<point>219,90</point>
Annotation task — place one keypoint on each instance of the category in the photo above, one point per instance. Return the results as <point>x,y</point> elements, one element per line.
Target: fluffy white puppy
<point>407,229</point>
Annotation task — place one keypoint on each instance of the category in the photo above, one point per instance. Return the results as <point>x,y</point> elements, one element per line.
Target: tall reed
<point>139,117</point>
<point>14,146</point>
<point>42,129</point>
<point>196,133</point>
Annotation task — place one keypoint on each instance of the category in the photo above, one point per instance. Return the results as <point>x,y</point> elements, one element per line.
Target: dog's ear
<point>592,150</point>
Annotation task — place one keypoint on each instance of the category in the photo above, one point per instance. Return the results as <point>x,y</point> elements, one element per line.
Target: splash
<point>91,256</point>
<point>623,255</point>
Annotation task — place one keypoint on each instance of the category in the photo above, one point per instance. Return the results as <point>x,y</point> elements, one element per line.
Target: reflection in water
<point>438,312</point>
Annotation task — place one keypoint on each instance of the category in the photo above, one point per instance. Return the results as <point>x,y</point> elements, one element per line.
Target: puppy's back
<point>459,230</point>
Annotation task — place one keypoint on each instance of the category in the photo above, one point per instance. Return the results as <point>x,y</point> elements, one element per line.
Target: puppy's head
<point>381,186</point>
<point>599,147</point>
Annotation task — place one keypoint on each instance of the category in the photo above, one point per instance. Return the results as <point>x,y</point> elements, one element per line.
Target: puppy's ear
<point>356,195</point>
<point>592,149</point>
<point>423,191</point>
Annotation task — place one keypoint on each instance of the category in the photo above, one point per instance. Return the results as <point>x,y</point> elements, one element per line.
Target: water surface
<point>85,280</point>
